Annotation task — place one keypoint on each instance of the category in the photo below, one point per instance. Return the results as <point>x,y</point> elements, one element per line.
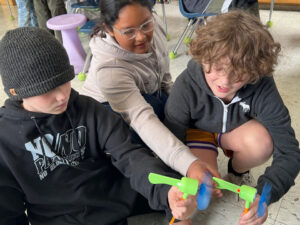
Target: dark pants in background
<point>46,9</point>
<point>250,6</point>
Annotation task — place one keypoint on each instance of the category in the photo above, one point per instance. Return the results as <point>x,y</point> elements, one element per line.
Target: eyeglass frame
<point>122,32</point>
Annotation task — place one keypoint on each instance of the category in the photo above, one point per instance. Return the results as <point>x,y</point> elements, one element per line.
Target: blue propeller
<point>264,200</point>
<point>204,193</point>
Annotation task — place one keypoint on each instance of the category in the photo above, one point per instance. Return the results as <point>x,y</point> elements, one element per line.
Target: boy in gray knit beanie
<point>64,156</point>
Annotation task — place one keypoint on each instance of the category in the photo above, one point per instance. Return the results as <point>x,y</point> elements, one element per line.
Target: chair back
<point>93,2</point>
<point>88,4</point>
<point>201,10</point>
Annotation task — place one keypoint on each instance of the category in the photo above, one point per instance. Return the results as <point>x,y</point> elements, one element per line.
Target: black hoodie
<point>61,167</point>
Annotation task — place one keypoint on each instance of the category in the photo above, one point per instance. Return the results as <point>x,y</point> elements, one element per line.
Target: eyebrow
<point>124,28</point>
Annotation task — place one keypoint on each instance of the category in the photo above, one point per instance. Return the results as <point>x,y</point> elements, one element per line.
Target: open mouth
<point>223,89</point>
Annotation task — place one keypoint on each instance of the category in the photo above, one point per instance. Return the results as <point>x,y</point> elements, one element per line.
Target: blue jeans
<point>26,14</point>
<point>158,104</point>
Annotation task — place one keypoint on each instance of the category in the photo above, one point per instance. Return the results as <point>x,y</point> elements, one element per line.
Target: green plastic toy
<point>245,192</point>
<point>187,186</point>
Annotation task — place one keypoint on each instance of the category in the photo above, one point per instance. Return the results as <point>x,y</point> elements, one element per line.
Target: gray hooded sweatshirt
<point>120,77</point>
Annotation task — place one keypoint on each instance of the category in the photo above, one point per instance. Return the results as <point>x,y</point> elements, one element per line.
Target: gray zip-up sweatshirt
<point>121,77</point>
<point>192,104</point>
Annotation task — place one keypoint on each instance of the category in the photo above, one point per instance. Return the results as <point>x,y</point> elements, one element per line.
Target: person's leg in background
<point>42,13</point>
<point>57,7</point>
<point>250,6</point>
<point>33,18</point>
<point>46,9</point>
<point>23,13</point>
<point>26,13</point>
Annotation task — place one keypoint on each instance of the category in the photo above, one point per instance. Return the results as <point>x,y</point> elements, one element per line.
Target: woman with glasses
<point>129,73</point>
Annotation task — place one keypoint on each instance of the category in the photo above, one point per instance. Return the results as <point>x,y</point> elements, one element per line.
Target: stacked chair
<point>197,17</point>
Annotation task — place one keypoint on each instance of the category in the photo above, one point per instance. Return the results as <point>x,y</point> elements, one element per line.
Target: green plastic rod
<point>222,184</point>
<point>245,192</point>
<point>187,186</point>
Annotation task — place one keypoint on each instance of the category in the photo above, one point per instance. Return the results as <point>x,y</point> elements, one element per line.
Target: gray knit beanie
<point>32,62</point>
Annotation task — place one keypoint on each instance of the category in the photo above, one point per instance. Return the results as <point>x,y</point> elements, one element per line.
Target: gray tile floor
<point>286,30</point>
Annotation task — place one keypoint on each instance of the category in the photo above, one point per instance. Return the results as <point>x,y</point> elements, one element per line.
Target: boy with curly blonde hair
<point>227,98</point>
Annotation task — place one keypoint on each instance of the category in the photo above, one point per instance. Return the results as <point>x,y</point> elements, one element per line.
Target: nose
<point>61,94</point>
<point>225,80</point>
<point>140,36</point>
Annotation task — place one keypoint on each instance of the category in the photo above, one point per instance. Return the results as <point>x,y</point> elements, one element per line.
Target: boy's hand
<point>181,209</point>
<point>198,170</point>
<point>250,218</point>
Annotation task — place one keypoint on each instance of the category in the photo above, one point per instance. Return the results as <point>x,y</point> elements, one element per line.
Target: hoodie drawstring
<point>43,138</point>
<point>75,135</point>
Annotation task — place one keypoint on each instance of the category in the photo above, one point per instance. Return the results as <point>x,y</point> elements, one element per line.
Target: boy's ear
<point>108,30</point>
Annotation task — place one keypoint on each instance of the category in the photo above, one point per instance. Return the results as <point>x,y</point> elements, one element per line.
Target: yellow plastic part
<point>172,55</point>
<point>168,37</point>
<point>81,76</point>
<point>187,40</point>
<point>269,23</point>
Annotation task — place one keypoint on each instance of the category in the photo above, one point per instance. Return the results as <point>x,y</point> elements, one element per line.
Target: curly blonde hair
<point>242,39</point>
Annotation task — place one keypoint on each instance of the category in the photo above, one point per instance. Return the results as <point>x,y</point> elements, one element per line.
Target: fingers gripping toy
<point>187,186</point>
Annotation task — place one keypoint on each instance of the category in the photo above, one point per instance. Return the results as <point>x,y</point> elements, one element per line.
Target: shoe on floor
<point>244,179</point>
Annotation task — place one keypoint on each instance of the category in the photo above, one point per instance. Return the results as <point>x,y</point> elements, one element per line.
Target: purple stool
<point>67,24</point>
